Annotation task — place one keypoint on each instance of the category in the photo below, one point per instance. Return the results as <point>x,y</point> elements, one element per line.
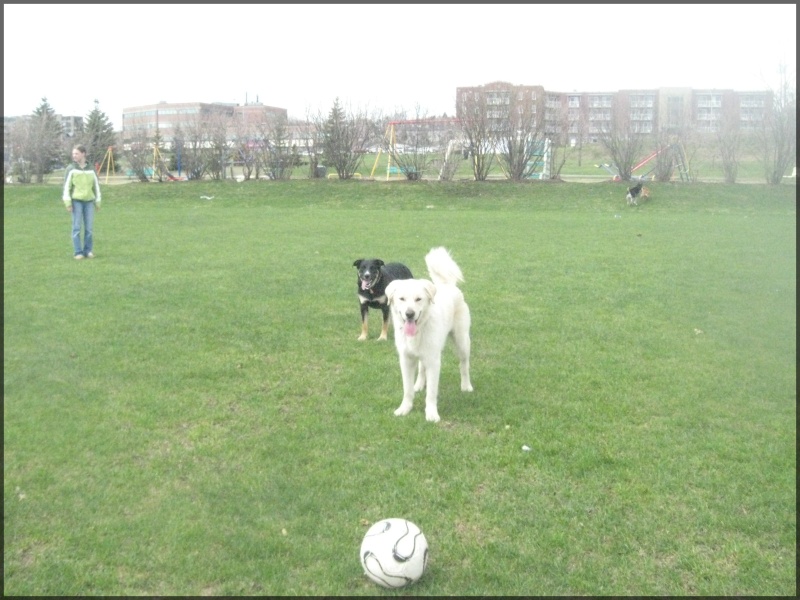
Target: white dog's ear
<point>430,289</point>
<point>390,291</point>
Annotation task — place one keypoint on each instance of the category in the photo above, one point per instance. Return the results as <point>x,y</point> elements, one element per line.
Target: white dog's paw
<point>403,409</point>
<point>419,385</point>
<point>432,415</point>
<point>466,387</point>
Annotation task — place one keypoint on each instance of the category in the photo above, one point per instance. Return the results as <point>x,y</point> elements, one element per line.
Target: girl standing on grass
<point>81,196</point>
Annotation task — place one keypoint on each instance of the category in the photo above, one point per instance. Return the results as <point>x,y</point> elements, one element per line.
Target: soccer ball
<point>394,553</point>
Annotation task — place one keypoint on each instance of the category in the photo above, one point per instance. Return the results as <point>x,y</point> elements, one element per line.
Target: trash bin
<point>320,171</point>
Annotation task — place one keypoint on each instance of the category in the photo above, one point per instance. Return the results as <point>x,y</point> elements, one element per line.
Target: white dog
<point>425,313</point>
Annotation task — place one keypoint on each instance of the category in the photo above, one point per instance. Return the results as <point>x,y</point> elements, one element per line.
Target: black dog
<point>373,277</point>
<point>636,193</point>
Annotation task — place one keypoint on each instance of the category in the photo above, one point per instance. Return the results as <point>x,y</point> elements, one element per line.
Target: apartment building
<point>169,117</point>
<point>567,116</point>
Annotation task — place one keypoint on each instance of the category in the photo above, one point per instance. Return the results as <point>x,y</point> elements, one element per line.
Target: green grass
<point>190,413</point>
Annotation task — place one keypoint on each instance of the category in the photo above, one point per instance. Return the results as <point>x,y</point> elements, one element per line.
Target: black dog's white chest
<point>374,300</point>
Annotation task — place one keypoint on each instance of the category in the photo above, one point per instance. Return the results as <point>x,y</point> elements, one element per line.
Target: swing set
<point>162,166</point>
<point>108,161</point>
<point>390,142</point>
<point>159,166</point>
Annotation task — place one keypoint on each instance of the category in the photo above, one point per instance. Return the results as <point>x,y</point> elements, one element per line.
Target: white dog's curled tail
<point>442,268</point>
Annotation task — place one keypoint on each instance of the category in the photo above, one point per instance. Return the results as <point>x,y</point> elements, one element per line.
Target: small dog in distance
<point>637,193</point>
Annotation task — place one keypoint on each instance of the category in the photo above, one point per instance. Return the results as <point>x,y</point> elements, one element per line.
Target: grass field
<point>190,412</point>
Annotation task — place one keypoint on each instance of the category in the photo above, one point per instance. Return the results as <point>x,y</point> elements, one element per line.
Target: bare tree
<point>344,135</point>
<point>450,144</point>
<point>664,160</point>
<point>519,135</point>
<point>409,143</point>
<point>669,153</point>
<point>139,154</point>
<point>311,144</point>
<point>219,149</point>
<point>377,124</point>
<point>259,146</point>
<point>245,144</point>
<point>278,155</point>
<point>580,129</point>
<point>777,138</point>
<point>728,141</point>
<point>569,121</point>
<point>558,157</point>
<point>160,169</point>
<point>194,147</point>
<point>22,148</point>
<point>45,137</point>
<point>686,146</point>
<point>478,133</point>
<point>621,138</point>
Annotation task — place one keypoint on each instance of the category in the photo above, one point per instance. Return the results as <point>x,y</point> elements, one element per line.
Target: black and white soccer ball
<point>394,553</point>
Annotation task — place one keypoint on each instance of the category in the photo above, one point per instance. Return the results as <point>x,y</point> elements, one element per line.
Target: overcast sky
<point>378,57</point>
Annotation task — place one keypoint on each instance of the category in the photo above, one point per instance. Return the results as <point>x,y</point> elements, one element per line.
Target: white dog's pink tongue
<point>410,328</point>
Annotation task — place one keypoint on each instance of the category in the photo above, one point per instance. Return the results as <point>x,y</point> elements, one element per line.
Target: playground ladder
<point>679,159</point>
<point>540,158</point>
<point>451,145</point>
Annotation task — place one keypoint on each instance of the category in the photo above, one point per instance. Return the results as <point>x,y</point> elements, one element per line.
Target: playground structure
<point>108,161</point>
<point>160,167</point>
<point>539,163</point>
<point>541,160</point>
<point>678,161</point>
<point>390,141</point>
<point>156,171</point>
<point>539,151</point>
<point>453,147</point>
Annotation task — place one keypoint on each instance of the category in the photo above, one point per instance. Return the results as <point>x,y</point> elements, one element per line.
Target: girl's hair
<point>80,148</point>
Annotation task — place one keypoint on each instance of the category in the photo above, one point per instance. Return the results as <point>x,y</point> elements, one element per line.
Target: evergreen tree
<point>333,136</point>
<point>98,136</point>
<point>46,135</point>
<point>344,137</point>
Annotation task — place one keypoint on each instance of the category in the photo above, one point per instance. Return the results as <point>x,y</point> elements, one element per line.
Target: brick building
<point>566,116</point>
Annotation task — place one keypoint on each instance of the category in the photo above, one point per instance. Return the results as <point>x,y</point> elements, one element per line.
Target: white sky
<point>378,57</point>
